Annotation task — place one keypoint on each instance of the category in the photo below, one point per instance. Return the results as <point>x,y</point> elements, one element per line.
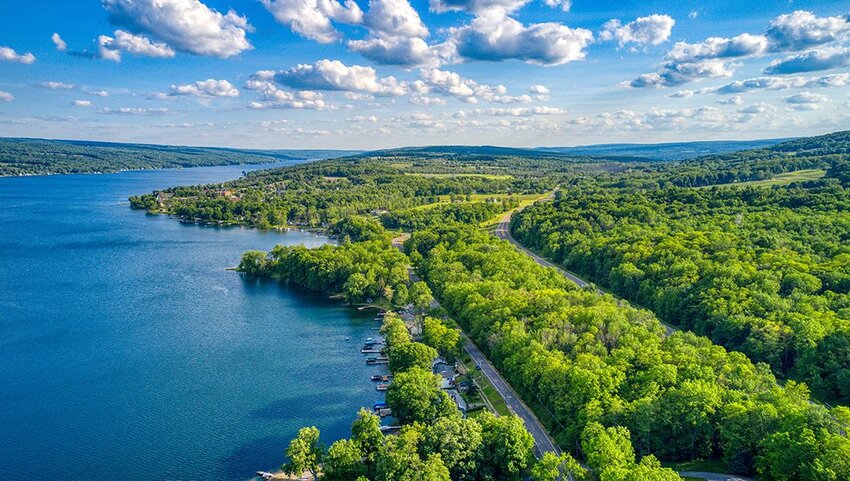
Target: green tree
<point>415,396</point>
<point>254,263</point>
<point>411,354</point>
<point>444,339</point>
<point>394,331</point>
<point>305,453</point>
<point>343,461</point>
<point>457,441</point>
<point>552,467</point>
<point>420,295</point>
<point>505,448</point>
<point>366,433</point>
<point>356,288</point>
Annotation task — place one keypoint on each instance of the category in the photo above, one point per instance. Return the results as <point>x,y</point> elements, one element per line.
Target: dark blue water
<point>128,352</point>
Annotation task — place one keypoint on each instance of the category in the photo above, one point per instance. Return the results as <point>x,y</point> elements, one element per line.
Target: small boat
<point>377,360</point>
<point>380,405</point>
<point>265,474</point>
<point>382,377</point>
<point>385,412</point>
<point>382,387</point>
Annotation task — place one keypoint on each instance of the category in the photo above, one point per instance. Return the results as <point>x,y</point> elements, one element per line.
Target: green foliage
<point>505,448</point>
<point>444,339</point>
<point>394,331</point>
<point>457,440</point>
<point>552,467</point>
<point>585,358</point>
<point>420,295</point>
<point>415,396</point>
<point>361,270</point>
<point>360,229</point>
<point>305,453</point>
<point>410,355</point>
<point>762,271</point>
<point>366,434</point>
<point>343,461</point>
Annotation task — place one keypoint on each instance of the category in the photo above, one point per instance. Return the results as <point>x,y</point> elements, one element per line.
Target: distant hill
<point>20,156</point>
<point>667,151</point>
<point>488,151</point>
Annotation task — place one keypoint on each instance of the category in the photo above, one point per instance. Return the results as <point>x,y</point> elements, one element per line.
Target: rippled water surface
<point>128,352</point>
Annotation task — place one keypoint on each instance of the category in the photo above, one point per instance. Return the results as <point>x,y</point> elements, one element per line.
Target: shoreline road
<point>543,443</point>
<point>503,231</point>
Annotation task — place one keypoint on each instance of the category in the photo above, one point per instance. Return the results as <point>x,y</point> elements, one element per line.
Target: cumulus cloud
<point>734,100</point>
<point>759,108</point>
<point>451,84</point>
<point>810,61</point>
<point>496,38</point>
<point>715,56</point>
<point>271,97</point>
<point>82,103</point>
<point>564,5</point>
<point>651,30</point>
<point>479,7</point>
<point>801,29</point>
<point>6,96</point>
<point>110,48</point>
<point>205,88</point>
<point>313,18</point>
<point>184,25</point>
<point>60,44</point>
<point>333,75</point>
<point>516,111</point>
<point>10,55</point>
<point>396,35</point>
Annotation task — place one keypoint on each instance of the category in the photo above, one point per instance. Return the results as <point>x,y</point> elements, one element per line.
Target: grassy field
<point>778,179</point>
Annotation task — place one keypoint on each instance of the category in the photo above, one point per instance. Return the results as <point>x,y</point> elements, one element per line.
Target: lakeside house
<point>448,382</point>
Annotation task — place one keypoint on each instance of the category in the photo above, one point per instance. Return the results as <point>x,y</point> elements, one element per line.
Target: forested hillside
<point>759,274</point>
<point>41,157</point>
<point>762,270</point>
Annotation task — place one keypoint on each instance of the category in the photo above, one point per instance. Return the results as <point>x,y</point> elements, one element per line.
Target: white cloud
<point>517,111</point>
<point>713,57</point>
<point>538,90</point>
<point>185,25</point>
<point>781,83</point>
<point>60,44</point>
<point>682,94</point>
<point>450,83</point>
<point>564,5</point>
<point>136,111</point>
<point>801,29</point>
<point>275,98</point>
<point>205,88</point>
<point>812,60</point>
<point>110,48</point>
<point>479,7</point>
<point>6,96</point>
<point>424,100</point>
<point>312,18</point>
<point>82,103</point>
<point>10,55</point>
<point>759,108</point>
<point>57,85</point>
<point>496,38</point>
<point>409,52</point>
<point>806,98</point>
<point>651,30</point>
<point>335,76</point>
<point>734,100</point>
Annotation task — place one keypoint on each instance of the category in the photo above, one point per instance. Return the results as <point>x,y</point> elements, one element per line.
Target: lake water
<point>128,352</point>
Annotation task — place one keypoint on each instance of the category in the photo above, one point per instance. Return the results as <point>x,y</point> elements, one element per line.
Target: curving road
<point>503,231</point>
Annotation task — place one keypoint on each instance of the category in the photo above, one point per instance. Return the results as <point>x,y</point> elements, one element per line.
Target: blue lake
<point>128,352</point>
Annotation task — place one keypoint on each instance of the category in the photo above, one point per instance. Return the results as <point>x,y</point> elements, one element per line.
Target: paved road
<point>503,231</point>
<point>542,441</point>
<point>713,476</point>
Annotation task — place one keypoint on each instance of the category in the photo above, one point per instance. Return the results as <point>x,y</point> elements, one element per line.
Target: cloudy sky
<point>384,73</point>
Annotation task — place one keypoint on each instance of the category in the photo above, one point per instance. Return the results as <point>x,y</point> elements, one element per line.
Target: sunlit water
<point>128,352</point>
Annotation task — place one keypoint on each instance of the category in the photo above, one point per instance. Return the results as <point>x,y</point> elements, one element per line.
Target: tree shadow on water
<point>255,455</point>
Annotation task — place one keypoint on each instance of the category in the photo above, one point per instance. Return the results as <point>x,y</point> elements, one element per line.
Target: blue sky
<point>383,73</point>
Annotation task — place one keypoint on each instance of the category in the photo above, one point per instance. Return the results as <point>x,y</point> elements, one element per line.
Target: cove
<point>127,351</point>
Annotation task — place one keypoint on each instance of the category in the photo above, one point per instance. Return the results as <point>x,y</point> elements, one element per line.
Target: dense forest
<point>43,157</point>
<point>756,275</point>
<point>762,270</point>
